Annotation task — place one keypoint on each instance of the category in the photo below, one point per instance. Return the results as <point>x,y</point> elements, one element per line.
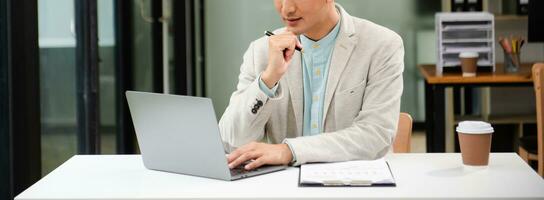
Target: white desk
<point>418,176</point>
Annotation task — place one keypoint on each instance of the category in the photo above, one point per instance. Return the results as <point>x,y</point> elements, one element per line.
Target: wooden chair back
<point>404,134</point>
<point>538,81</point>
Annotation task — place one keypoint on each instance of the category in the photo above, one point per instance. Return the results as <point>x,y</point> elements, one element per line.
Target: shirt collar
<point>310,45</point>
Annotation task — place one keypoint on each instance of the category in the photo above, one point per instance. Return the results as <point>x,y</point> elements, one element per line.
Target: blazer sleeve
<point>372,132</point>
<point>249,107</point>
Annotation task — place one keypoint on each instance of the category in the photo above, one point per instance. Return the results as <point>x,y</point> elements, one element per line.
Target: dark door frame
<point>184,47</point>
<point>125,138</point>
<point>202,14</point>
<point>156,45</point>
<point>20,129</point>
<point>186,40</point>
<point>5,148</point>
<point>88,113</point>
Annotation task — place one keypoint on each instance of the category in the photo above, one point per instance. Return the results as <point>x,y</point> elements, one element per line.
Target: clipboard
<point>373,173</point>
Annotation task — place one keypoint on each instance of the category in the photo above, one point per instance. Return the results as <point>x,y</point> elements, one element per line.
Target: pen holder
<point>511,62</point>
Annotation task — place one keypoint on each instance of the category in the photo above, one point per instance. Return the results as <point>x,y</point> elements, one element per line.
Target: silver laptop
<point>180,134</point>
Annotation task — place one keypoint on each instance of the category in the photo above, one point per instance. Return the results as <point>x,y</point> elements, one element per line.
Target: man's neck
<point>325,27</point>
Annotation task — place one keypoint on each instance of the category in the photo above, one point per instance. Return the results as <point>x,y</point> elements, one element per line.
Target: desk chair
<point>404,134</point>
<point>530,147</point>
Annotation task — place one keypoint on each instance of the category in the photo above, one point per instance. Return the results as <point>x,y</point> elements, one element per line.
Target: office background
<point>197,50</point>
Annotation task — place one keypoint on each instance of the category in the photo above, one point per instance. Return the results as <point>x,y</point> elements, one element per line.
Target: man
<point>337,100</point>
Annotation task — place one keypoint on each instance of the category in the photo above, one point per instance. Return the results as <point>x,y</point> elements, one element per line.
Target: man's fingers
<point>244,157</point>
<point>233,155</point>
<point>240,150</point>
<point>288,54</point>
<point>255,164</point>
<point>236,161</point>
<point>285,41</point>
<point>290,50</point>
<point>241,159</point>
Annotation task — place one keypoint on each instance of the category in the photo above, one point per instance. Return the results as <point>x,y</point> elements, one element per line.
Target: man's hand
<point>260,153</point>
<point>281,48</point>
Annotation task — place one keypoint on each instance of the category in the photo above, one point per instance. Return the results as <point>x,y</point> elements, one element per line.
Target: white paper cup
<point>469,63</point>
<point>475,142</point>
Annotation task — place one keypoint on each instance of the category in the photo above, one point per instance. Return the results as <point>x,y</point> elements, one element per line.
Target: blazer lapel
<point>343,48</point>
<point>340,56</point>
<point>295,82</point>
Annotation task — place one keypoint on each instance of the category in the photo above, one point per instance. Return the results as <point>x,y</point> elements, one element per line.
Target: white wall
<point>230,27</point>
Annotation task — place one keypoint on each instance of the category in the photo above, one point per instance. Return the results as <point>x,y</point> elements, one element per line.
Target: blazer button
<point>259,103</point>
<point>254,111</point>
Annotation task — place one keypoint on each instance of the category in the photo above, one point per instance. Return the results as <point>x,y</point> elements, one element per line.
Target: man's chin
<point>295,30</point>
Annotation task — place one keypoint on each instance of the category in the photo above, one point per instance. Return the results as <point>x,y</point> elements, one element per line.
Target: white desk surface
<point>418,176</point>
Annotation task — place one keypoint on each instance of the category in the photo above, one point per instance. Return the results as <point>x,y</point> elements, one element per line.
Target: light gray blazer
<point>362,98</point>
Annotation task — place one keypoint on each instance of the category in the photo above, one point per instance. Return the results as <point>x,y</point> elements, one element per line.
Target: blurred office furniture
<point>457,5</point>
<point>493,6</point>
<point>500,7</point>
<point>404,134</point>
<point>418,176</point>
<point>507,22</point>
<point>522,7</point>
<point>464,32</point>
<point>473,5</point>
<point>465,5</point>
<point>440,118</point>
<point>535,21</point>
<point>531,146</point>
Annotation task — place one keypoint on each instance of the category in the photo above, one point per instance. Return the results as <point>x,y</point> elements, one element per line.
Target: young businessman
<point>337,100</point>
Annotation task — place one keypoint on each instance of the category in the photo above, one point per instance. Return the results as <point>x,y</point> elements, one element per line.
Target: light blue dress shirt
<point>315,63</point>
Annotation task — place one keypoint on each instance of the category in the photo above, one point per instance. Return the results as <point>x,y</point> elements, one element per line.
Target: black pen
<point>268,33</point>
